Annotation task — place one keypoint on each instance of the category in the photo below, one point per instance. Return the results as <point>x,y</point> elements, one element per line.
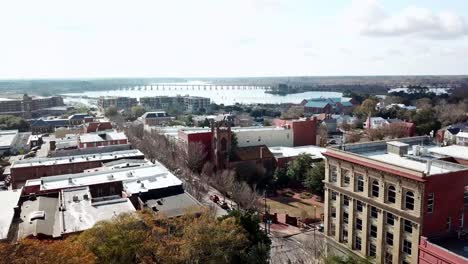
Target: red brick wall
<point>430,254</point>
<point>304,132</point>
<point>448,191</point>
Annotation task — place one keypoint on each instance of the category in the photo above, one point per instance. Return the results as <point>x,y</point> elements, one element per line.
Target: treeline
<point>145,237</point>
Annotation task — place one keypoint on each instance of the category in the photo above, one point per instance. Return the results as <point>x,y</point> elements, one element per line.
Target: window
<point>358,243</point>
<point>346,200</point>
<point>333,173</point>
<point>388,258</point>
<point>409,200</point>
<point>373,231</point>
<point>375,188</point>
<point>333,212</point>
<point>407,247</point>
<point>345,235</point>
<point>465,196</point>
<point>372,250</point>
<point>333,195</point>
<point>391,194</point>
<point>408,226</point>
<point>332,229</point>
<point>390,219</point>
<point>359,206</point>
<point>374,213</point>
<point>358,224</point>
<point>360,183</point>
<point>346,177</point>
<point>449,223</point>
<point>389,239</point>
<point>430,203</point>
<point>345,217</point>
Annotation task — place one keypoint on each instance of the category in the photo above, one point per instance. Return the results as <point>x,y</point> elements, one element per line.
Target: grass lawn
<point>294,205</point>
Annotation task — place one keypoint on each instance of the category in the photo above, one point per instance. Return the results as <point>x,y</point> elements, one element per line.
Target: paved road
<point>299,248</point>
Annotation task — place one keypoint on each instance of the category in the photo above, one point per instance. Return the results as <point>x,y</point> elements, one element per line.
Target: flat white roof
<point>455,151</point>
<point>405,162</point>
<point>77,159</point>
<point>7,138</point>
<point>114,135</point>
<point>90,137</point>
<point>462,134</point>
<point>81,214</point>
<point>397,144</point>
<point>315,151</point>
<point>135,180</point>
<point>260,128</point>
<point>8,202</point>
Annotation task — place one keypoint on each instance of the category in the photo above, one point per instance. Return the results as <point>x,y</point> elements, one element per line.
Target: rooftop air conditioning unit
<point>75,198</point>
<point>86,197</point>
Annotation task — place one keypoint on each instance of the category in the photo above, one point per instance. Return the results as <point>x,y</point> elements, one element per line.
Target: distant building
<point>101,138</point>
<point>409,128</point>
<point>8,138</point>
<point>40,126</point>
<point>283,155</point>
<point>389,199</point>
<point>339,105</point>
<point>97,126</point>
<point>186,103</point>
<point>462,138</point>
<point>28,106</point>
<point>8,206</point>
<point>156,118</point>
<point>117,102</point>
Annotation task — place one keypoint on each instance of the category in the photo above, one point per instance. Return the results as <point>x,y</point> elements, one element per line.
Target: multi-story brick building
<point>381,197</point>
<point>187,103</point>
<point>118,102</point>
<point>28,106</point>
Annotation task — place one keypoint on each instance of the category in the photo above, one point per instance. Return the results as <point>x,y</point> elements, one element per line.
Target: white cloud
<point>371,19</point>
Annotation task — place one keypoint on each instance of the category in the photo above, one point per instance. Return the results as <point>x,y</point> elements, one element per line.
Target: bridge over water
<point>193,87</point>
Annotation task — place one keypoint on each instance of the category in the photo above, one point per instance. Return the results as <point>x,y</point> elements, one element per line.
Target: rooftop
<point>77,159</point>
<point>7,138</point>
<point>280,152</point>
<point>83,212</point>
<point>454,151</point>
<point>417,157</point>
<point>453,245</point>
<point>9,200</point>
<point>174,205</point>
<point>90,137</point>
<point>39,216</point>
<point>135,180</point>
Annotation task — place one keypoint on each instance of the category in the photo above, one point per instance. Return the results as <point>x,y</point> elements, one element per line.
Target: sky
<point>231,38</point>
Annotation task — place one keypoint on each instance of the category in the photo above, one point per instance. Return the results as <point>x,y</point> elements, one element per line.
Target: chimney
<point>428,167</point>
<point>52,145</point>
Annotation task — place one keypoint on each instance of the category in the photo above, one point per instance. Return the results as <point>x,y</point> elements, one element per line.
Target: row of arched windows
<point>391,192</point>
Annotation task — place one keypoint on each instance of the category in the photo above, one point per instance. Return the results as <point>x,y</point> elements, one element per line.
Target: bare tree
<point>376,134</point>
<point>322,132</point>
<point>196,155</point>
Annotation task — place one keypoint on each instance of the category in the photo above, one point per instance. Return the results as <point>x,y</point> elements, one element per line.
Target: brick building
<point>28,106</point>
<point>304,130</point>
<point>117,102</point>
<point>381,197</point>
<point>187,103</point>
<point>23,170</point>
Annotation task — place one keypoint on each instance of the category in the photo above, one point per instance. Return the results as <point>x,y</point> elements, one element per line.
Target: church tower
<point>221,145</point>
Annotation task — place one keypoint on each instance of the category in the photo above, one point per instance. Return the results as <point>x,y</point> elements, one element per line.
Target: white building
<point>269,136</point>
<point>462,138</point>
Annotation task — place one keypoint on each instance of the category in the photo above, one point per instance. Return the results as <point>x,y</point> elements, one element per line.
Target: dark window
<point>333,196</point>
<point>408,226</point>
<point>345,217</point>
<point>333,173</point>
<point>332,229</point>
<point>375,188</point>
<point>372,250</point>
<point>358,244</point>
<point>388,258</point>
<point>391,194</point>
<point>346,177</point>
<point>389,239</point>
<point>346,200</point>
<point>345,235</point>
<point>333,212</point>
<point>360,183</point>
<point>407,247</point>
<point>409,200</point>
<point>430,202</point>
<point>374,212</point>
<point>358,224</point>
<point>390,219</point>
<point>359,206</point>
<point>373,231</point>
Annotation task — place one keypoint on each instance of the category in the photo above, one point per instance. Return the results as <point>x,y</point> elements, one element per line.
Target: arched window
<point>391,194</point>
<point>360,183</point>
<point>409,200</point>
<point>375,188</point>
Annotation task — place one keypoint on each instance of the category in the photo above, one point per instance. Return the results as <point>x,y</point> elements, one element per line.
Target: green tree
<point>298,168</point>
<point>188,120</point>
<point>111,111</point>
<point>13,122</point>
<point>366,108</point>
<point>281,178</point>
<point>116,241</point>
<point>138,110</point>
<point>333,259</point>
<point>314,178</point>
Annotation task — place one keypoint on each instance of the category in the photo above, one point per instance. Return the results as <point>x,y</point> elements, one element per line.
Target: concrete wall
<point>270,138</point>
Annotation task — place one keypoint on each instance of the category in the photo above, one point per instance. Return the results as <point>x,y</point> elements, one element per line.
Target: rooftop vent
<point>142,185</point>
<point>75,198</point>
<point>110,177</point>
<point>397,147</point>
<point>70,180</point>
<point>86,197</point>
